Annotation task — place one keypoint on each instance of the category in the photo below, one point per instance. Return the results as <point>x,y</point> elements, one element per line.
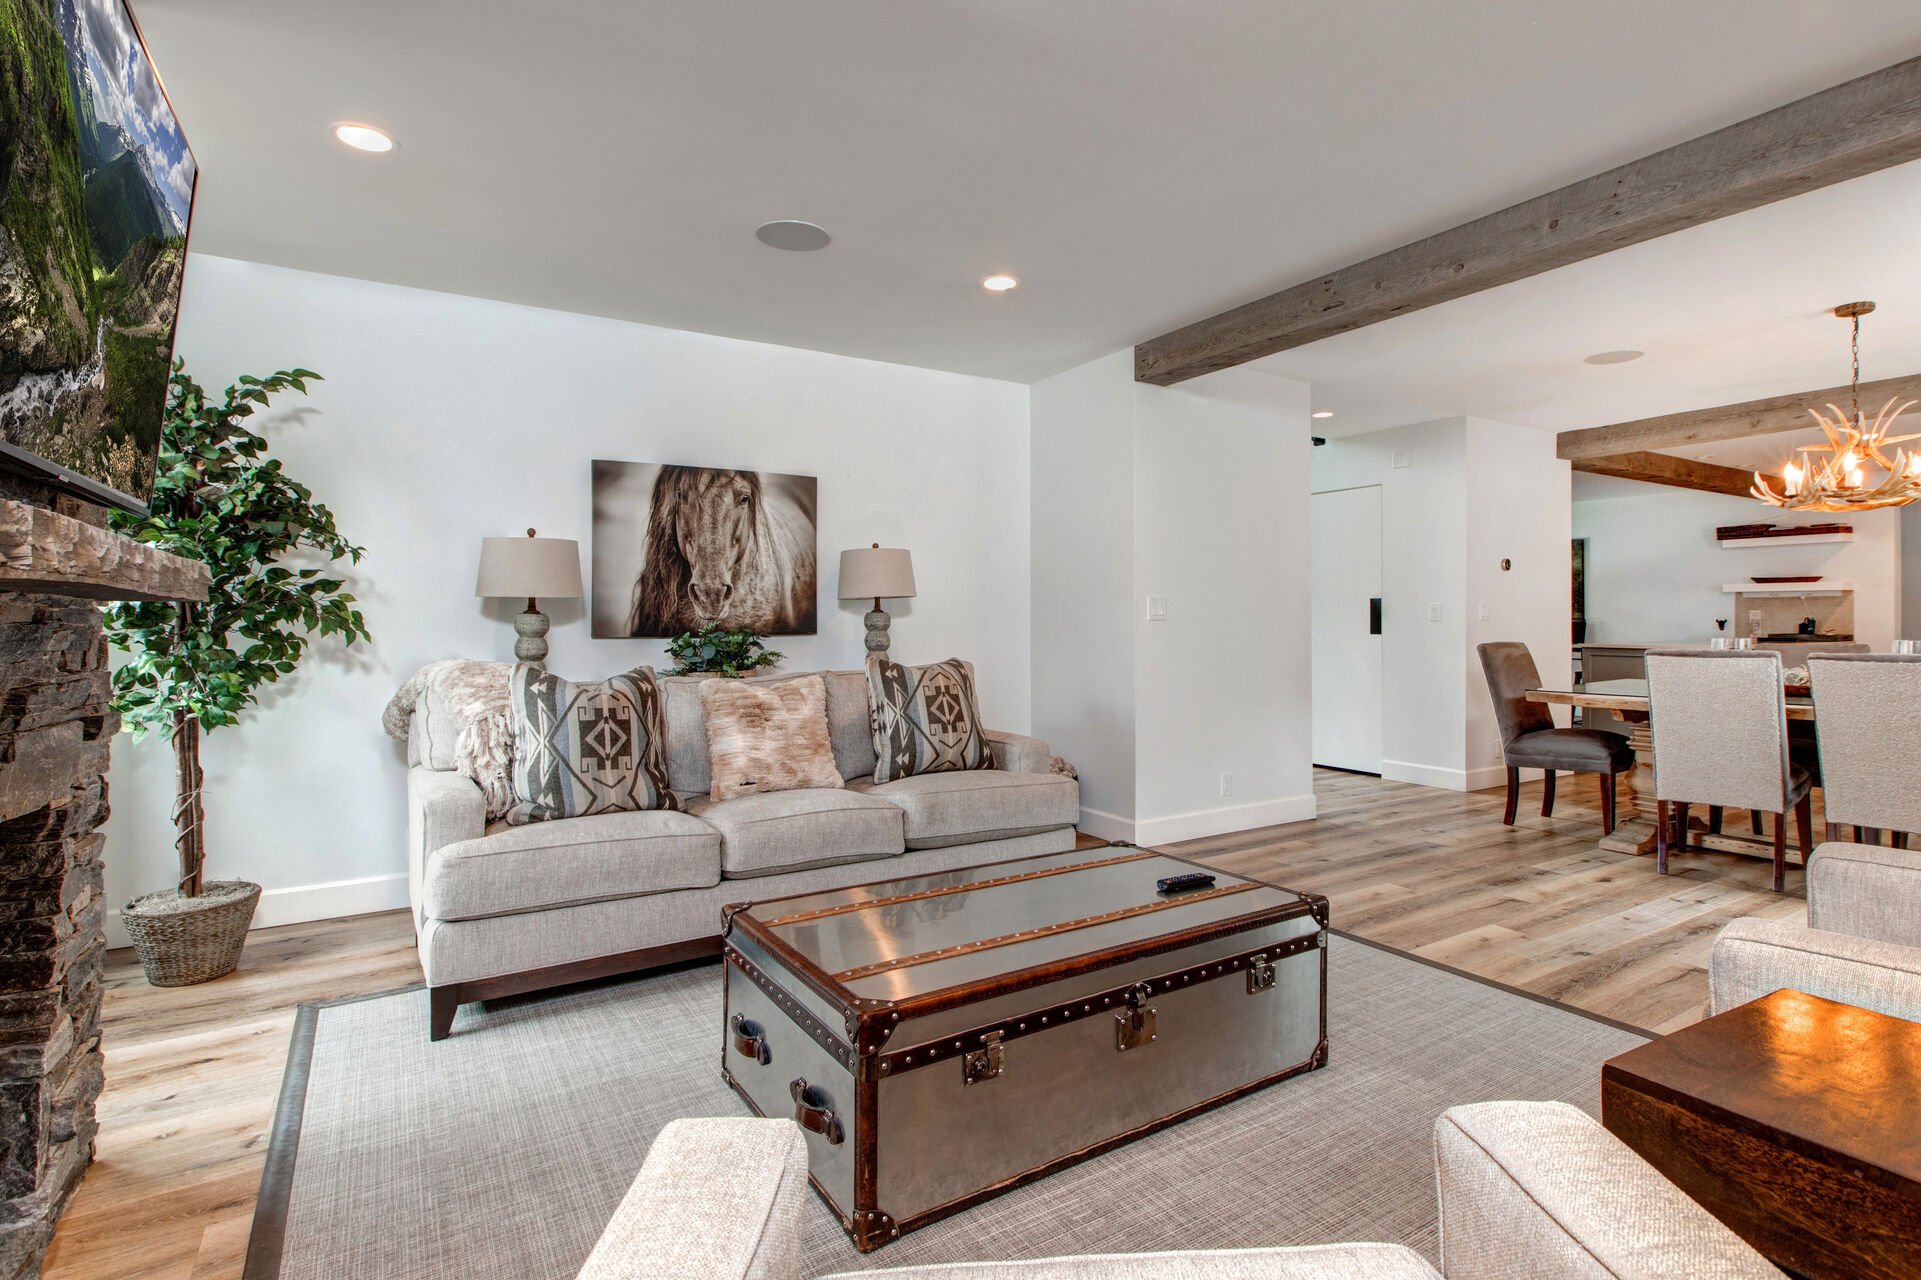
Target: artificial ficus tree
<point>221,499</point>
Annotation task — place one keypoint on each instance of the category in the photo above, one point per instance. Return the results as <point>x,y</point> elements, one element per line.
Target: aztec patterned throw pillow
<point>767,735</point>
<point>926,719</point>
<point>581,749</point>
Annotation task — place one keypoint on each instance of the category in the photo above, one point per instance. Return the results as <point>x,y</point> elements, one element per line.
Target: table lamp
<point>529,567</point>
<point>876,573</point>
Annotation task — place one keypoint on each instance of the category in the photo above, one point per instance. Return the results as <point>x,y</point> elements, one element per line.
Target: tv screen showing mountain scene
<point>96,190</point>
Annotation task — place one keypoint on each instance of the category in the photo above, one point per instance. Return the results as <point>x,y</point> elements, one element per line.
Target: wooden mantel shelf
<point>46,552</point>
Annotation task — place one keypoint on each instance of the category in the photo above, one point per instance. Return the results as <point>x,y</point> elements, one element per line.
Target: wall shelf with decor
<point>1822,588</point>
<point>1788,540</point>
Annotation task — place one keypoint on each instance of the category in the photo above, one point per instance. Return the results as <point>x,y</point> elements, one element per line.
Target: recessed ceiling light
<point>795,237</point>
<point>1614,357</point>
<point>1323,413</point>
<point>364,137</point>
<point>999,284</point>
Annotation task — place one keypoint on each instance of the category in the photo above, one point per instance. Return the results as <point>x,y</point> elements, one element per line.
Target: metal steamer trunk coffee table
<point>946,1038</point>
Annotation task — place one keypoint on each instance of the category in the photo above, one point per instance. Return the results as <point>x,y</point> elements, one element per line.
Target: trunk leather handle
<point>750,1040</point>
<point>811,1111</point>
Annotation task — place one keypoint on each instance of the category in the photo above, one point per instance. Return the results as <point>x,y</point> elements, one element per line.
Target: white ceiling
<point>1138,164</point>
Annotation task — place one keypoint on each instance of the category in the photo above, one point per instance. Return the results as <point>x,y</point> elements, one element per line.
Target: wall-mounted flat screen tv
<point>96,193</point>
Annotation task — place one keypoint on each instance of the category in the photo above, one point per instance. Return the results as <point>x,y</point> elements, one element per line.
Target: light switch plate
<point>1157,608</point>
<point>1434,611</point>
<point>1403,459</point>
<point>1487,611</point>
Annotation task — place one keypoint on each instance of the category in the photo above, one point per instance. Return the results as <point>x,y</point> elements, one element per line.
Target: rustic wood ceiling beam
<point>1729,421</point>
<point>1682,473</point>
<point>1865,125</point>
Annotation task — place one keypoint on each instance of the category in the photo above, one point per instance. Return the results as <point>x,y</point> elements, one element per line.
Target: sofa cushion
<point>926,719</point>
<point>848,726</point>
<point>571,860</point>
<point>795,830</point>
<point>583,749</point>
<point>767,736</point>
<point>979,804</point>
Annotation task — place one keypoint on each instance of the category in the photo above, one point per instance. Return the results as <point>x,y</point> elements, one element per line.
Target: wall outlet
<point>1227,784</point>
<point>1434,611</point>
<point>1157,608</point>
<point>1403,459</point>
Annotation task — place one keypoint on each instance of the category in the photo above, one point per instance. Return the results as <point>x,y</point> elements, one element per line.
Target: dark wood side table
<point>1794,1120</point>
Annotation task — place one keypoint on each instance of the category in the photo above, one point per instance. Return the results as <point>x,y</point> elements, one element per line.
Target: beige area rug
<point>499,1154</point>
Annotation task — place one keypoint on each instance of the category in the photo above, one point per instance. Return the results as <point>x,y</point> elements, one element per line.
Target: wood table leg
<point>1635,803</point>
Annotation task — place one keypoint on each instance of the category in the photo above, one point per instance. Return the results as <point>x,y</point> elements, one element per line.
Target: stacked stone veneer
<point>55,731</point>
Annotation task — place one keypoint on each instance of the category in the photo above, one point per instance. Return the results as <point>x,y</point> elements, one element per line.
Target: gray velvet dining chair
<point>1718,721</point>
<point>1530,740</point>
<point>1865,708</point>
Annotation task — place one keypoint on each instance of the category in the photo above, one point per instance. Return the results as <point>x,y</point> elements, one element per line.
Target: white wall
<point>1655,571</point>
<point>1083,565</point>
<point>1519,510</point>
<point>1223,683</point>
<point>1422,471</point>
<point>1458,495</point>
<point>1197,494</point>
<point>444,419</point>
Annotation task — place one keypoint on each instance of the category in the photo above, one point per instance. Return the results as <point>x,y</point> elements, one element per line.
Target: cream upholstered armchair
<point>1528,1191</point>
<point>1861,944</point>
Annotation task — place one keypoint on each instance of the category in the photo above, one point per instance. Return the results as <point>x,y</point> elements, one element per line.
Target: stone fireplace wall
<point>55,730</point>
<point>56,570</point>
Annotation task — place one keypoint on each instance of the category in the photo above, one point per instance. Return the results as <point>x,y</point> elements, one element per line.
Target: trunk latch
<point>1260,974</point>
<point>1134,1026</point>
<point>984,1063</point>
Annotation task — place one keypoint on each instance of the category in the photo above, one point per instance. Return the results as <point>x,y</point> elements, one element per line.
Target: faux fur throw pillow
<point>926,719</point>
<point>582,749</point>
<point>768,736</point>
<point>475,696</point>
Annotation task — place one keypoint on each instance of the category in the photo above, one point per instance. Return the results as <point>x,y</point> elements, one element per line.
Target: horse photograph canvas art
<point>677,548</point>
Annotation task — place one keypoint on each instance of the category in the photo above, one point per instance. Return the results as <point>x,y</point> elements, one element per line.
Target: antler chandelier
<point>1852,471</point>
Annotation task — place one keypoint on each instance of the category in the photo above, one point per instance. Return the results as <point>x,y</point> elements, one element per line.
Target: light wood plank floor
<point>193,1073</point>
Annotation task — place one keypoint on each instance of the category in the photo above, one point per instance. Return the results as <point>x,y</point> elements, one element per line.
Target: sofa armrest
<point>1866,892</point>
<point>1018,753</point>
<point>443,808</point>
<point>1753,958</point>
<point>716,1199</point>
<point>1299,1262</point>
<point>1533,1189</point>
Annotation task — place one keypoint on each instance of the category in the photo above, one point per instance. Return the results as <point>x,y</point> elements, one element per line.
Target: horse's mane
<point>660,592</point>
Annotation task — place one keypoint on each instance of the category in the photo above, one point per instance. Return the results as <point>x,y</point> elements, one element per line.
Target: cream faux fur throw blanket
<point>475,694</point>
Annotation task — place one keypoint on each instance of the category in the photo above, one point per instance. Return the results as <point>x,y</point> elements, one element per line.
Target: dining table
<point>1635,833</point>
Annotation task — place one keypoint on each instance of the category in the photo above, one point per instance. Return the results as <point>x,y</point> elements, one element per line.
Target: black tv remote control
<point>1184,884</point>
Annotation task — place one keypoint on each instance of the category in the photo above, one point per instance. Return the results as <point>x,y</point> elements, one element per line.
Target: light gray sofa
<point>1861,944</point>
<point>501,910</point>
<point>1528,1191</point>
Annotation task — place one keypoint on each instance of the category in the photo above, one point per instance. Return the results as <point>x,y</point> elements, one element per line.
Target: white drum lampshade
<point>529,568</point>
<point>876,573</point>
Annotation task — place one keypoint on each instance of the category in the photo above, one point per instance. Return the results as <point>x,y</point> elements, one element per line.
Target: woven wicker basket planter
<point>182,940</point>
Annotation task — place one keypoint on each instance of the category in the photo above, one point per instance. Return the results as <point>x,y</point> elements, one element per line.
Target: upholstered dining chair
<point>1865,707</point>
<point>1530,740</point>
<point>1718,721</point>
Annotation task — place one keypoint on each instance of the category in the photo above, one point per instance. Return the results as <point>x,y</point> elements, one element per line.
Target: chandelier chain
<point>1854,382</point>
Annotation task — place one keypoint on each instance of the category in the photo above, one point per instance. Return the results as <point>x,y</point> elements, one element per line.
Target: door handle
<point>1374,616</point>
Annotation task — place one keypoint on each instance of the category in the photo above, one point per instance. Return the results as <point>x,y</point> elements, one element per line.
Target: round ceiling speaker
<point>795,237</point>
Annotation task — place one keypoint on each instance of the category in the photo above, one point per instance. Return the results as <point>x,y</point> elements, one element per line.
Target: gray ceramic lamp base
<point>531,629</point>
<point>877,624</point>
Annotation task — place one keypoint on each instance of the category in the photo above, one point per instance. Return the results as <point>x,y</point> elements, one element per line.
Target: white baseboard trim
<point>1483,778</point>
<point>1215,822</point>
<point>297,904</point>
<point>1106,826</point>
